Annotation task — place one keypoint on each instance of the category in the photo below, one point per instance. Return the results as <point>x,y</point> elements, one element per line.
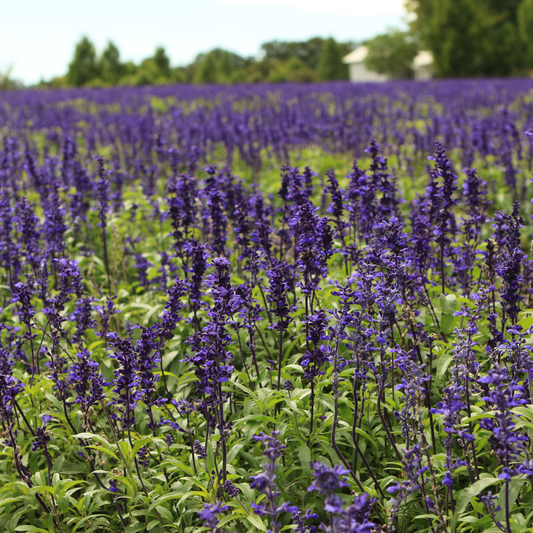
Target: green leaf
<point>443,362</point>
<point>250,458</point>
<point>515,485</point>
<point>152,524</point>
<point>263,418</point>
<point>87,518</point>
<point>125,451</point>
<point>165,513</point>
<point>104,450</point>
<point>467,494</point>
<point>9,500</point>
<point>99,438</point>
<point>166,498</point>
<point>64,504</point>
<point>135,528</point>
<point>234,451</point>
<point>426,517</point>
<point>58,464</point>
<point>478,416</point>
<point>138,444</point>
<point>304,453</point>
<point>182,466</point>
<point>448,305</point>
<point>256,521</point>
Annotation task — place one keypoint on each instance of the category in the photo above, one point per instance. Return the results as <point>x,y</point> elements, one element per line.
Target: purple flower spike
<point>327,479</point>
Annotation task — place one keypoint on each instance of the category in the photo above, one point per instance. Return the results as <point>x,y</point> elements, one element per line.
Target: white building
<point>357,68</point>
<point>422,66</point>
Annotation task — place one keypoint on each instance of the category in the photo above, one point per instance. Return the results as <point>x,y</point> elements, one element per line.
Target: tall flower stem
<point>106,260</point>
<point>280,357</point>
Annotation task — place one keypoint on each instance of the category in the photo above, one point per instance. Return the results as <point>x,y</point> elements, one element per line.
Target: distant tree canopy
<point>219,66</point>
<point>330,66</point>
<point>392,53</point>
<point>7,82</point>
<point>475,37</point>
<point>468,38</point>
<point>279,61</point>
<point>84,66</point>
<point>111,68</point>
<point>308,52</point>
<point>525,25</point>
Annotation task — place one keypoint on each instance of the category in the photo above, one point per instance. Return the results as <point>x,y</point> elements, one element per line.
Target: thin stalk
<point>386,426</point>
<point>312,407</point>
<point>263,341</point>
<point>32,357</point>
<point>336,421</point>
<point>280,357</point>
<point>106,261</point>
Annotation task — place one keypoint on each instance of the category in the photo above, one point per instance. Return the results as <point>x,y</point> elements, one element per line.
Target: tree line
<point>474,38</point>
<point>468,38</point>
<point>317,59</point>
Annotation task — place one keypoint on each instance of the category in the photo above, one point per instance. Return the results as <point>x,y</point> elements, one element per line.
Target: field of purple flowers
<point>198,335</point>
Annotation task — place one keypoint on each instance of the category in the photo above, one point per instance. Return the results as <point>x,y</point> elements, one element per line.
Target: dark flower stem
<point>385,424</point>
<point>280,357</point>
<point>106,261</point>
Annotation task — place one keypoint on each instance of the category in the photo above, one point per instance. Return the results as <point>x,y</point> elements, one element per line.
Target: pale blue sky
<point>37,37</point>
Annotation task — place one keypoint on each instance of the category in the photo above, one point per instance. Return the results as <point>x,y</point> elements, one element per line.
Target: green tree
<point>392,53</point>
<point>111,68</point>
<point>259,71</point>
<point>225,66</point>
<point>294,69</point>
<point>330,66</point>
<point>525,25</point>
<point>7,83</point>
<point>83,67</point>
<point>207,70</point>
<point>220,66</point>
<point>421,17</point>
<point>470,37</point>
<point>153,70</point>
<point>162,61</point>
<point>307,51</point>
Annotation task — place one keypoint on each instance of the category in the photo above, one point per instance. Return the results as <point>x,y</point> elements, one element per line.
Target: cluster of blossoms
<point>150,300</point>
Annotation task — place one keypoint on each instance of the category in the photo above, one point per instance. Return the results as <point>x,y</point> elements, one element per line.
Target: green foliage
<point>331,66</point>
<point>474,37</point>
<point>219,66</point>
<point>207,70</point>
<point>167,493</point>
<point>281,61</point>
<point>110,67</point>
<point>7,83</point>
<point>525,25</point>
<point>162,61</point>
<point>293,69</point>
<point>84,66</point>
<point>392,53</point>
<point>308,52</point>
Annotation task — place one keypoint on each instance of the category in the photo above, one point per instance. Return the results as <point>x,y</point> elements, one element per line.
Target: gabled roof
<point>357,56</point>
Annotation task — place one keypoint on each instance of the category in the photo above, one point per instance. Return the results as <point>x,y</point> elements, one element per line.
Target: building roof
<point>423,59</point>
<point>356,56</point>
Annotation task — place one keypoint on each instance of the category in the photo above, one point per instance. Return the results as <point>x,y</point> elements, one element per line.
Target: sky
<point>38,37</point>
